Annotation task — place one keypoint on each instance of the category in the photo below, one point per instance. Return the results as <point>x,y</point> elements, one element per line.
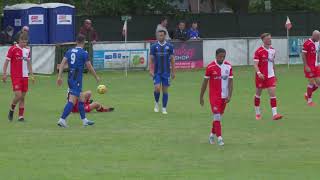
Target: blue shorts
<point>75,88</point>
<point>161,80</point>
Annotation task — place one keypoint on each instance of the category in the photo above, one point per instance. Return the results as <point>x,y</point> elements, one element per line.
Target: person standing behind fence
<point>88,31</point>
<point>193,32</point>
<point>24,29</point>
<point>6,35</point>
<point>163,27</point>
<point>181,32</point>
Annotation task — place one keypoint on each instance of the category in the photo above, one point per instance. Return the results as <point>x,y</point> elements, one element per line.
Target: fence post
<point>248,52</point>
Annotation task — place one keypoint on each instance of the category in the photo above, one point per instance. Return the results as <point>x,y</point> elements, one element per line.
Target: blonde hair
<point>24,36</point>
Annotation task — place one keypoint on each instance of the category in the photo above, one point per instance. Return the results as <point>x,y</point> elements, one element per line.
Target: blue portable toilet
<point>61,23</point>
<point>32,15</point>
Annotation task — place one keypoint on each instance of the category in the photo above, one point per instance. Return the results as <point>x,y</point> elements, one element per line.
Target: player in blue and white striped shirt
<point>161,69</point>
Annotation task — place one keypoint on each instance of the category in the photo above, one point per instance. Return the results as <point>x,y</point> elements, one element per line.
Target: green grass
<point>135,143</point>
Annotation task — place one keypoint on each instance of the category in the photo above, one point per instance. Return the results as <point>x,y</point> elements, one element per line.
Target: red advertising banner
<point>188,55</point>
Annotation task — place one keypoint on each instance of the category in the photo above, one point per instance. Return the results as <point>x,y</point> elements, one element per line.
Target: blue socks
<point>165,98</point>
<point>156,96</point>
<point>81,110</point>
<point>67,110</point>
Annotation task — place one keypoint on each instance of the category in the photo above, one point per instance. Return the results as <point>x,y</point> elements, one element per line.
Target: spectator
<point>6,36</point>
<point>193,32</point>
<point>88,31</point>
<point>181,32</point>
<point>163,26</point>
<point>24,29</point>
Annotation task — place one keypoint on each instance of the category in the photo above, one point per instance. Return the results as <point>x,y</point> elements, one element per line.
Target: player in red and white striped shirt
<point>311,68</point>
<point>220,77</point>
<point>20,66</point>
<point>265,77</point>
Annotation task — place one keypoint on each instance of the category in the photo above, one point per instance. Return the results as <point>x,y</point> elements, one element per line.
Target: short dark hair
<point>182,21</point>
<point>194,22</point>
<point>81,38</point>
<point>163,19</point>
<point>264,35</point>
<point>162,31</point>
<point>220,50</point>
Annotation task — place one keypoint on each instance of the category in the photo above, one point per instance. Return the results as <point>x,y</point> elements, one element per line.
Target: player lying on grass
<point>76,58</point>
<point>20,67</point>
<point>311,68</point>
<point>220,78</point>
<point>265,76</point>
<point>90,105</point>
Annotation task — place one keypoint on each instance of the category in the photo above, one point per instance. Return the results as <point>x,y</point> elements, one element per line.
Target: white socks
<point>274,111</point>
<point>257,109</point>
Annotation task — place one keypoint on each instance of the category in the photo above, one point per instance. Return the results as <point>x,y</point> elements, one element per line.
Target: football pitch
<point>135,143</point>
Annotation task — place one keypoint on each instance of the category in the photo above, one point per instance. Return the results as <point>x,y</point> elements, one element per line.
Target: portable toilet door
<point>32,15</point>
<point>12,17</point>
<point>61,22</point>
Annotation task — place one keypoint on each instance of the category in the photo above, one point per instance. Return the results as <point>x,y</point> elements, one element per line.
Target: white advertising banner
<point>236,50</point>
<point>118,46</point>
<point>116,59</point>
<point>64,19</point>
<point>43,59</point>
<point>36,19</point>
<point>3,55</point>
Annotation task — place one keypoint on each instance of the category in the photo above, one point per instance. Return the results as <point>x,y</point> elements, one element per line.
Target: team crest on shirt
<point>167,47</point>
<point>225,77</point>
<point>16,86</point>
<point>214,73</point>
<point>215,108</point>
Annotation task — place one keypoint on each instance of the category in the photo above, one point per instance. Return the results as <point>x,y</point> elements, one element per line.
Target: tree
<point>239,6</point>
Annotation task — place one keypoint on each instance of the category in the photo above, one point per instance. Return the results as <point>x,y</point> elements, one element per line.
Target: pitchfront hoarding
<point>188,55</point>
<point>295,49</point>
<point>116,59</point>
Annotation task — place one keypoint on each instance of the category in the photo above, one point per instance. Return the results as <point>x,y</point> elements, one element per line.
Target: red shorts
<point>20,84</point>
<point>315,72</point>
<point>218,106</point>
<point>266,83</point>
<point>86,108</point>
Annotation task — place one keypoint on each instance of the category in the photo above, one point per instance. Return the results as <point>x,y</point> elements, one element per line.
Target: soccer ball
<point>102,89</point>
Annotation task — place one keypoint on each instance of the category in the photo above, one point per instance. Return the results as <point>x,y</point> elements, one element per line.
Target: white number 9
<point>73,58</point>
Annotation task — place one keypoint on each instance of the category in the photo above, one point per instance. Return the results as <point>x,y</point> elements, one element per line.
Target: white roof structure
<point>21,6</point>
<point>55,5</point>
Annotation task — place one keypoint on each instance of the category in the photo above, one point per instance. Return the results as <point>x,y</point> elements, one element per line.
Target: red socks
<point>217,128</point>
<point>273,102</point>
<point>311,89</point>
<point>213,131</point>
<point>21,112</point>
<point>256,101</point>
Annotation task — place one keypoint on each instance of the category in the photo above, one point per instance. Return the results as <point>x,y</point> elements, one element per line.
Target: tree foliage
<point>287,5</point>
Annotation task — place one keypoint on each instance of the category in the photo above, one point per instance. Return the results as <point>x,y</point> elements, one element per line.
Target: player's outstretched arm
<point>203,90</point>
<point>29,64</point>
<point>173,68</point>
<point>62,65</point>
<point>4,70</point>
<point>230,89</point>
<point>92,71</point>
